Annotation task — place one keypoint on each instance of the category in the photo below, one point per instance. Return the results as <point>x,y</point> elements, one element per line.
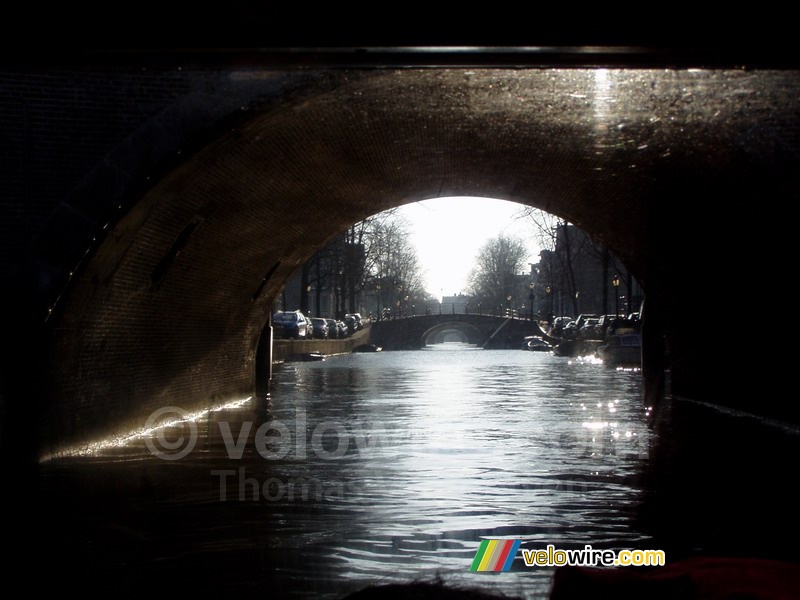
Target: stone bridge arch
<point>485,330</point>
<point>150,276</point>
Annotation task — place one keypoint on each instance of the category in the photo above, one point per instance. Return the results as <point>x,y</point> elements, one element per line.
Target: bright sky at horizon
<point>448,233</point>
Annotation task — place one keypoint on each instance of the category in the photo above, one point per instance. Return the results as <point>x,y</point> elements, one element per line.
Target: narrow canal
<point>363,469</point>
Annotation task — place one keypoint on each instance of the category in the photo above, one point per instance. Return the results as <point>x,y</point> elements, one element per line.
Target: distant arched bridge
<point>483,330</point>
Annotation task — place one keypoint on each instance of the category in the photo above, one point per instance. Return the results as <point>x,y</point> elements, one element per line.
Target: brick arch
<point>171,306</point>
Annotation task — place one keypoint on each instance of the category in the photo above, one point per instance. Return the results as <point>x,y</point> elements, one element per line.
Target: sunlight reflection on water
<point>393,466</point>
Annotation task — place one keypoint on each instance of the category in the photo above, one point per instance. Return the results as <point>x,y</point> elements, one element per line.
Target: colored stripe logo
<point>495,555</point>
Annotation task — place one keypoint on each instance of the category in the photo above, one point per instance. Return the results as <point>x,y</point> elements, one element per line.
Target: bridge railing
<point>451,308</point>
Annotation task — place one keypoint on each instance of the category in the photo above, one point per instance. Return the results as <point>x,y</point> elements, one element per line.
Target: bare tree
<point>373,255</point>
<point>565,248</point>
<point>560,252</point>
<point>393,267</point>
<point>495,281</point>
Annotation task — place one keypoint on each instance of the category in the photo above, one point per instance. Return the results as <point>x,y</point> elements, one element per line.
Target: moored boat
<point>367,348</point>
<point>536,344</point>
<point>574,348</point>
<point>622,349</point>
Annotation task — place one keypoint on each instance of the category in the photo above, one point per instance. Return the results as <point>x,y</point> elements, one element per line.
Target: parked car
<point>581,330</point>
<point>357,319</point>
<point>603,324</point>
<point>559,323</point>
<point>351,323</point>
<point>622,325</point>
<point>291,325</point>
<point>570,330</point>
<point>341,328</point>
<point>588,331</point>
<point>320,327</point>
<point>333,329</point>
<point>581,320</point>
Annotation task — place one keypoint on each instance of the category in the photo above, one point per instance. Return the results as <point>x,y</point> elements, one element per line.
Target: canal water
<point>361,469</point>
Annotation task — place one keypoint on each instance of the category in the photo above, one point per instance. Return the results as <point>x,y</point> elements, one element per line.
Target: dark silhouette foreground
<point>700,578</point>
<point>436,590</point>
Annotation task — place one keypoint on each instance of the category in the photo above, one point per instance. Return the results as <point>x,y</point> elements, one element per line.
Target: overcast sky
<point>448,232</point>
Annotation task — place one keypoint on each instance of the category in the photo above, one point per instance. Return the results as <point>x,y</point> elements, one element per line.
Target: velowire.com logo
<point>495,555</point>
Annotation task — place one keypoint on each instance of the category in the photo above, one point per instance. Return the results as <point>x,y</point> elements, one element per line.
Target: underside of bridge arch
<point>449,336</point>
<point>668,168</point>
<point>452,331</point>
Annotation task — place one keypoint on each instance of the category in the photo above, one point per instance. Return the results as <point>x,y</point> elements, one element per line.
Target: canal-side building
<point>577,277</point>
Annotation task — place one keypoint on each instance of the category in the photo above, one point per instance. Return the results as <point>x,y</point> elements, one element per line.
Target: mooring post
<point>264,354</point>
<point>653,353</point>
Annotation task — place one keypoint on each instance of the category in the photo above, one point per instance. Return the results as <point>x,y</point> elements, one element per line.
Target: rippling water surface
<point>370,468</point>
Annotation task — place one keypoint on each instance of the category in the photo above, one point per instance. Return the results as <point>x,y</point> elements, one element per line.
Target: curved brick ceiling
<point>658,164</point>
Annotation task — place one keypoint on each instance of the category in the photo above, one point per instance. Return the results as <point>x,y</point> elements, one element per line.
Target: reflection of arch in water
<point>452,331</point>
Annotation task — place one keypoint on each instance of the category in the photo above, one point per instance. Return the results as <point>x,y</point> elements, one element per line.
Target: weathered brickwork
<point>195,184</point>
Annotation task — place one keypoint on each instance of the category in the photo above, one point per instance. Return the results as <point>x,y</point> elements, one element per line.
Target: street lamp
<point>399,301</point>
<point>615,283</point>
<point>530,297</point>
<point>549,291</point>
<point>508,298</point>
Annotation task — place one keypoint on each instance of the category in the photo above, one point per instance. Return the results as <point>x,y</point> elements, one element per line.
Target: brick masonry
<point>145,208</point>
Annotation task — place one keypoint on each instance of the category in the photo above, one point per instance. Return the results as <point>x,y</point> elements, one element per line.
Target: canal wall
<point>286,349</point>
